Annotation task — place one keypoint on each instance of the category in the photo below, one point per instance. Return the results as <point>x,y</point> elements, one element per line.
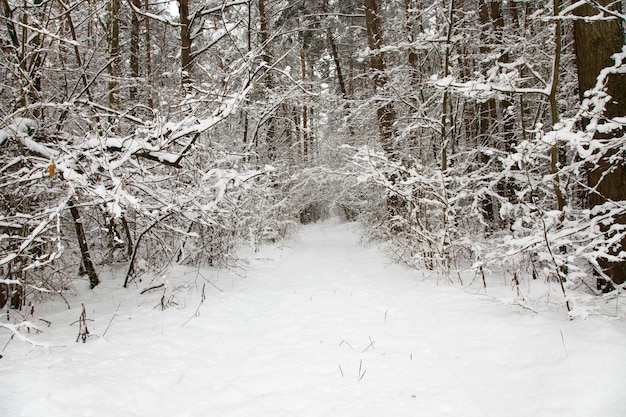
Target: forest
<point>471,135</point>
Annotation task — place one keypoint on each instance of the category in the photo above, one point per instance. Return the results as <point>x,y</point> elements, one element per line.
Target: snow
<point>323,326</point>
<point>21,127</point>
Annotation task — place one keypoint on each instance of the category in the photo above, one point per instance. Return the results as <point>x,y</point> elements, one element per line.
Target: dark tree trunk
<point>134,50</point>
<point>386,115</point>
<point>114,53</point>
<point>185,39</point>
<point>87,265</point>
<point>595,42</point>
<point>264,37</point>
<point>148,56</point>
<point>385,112</point>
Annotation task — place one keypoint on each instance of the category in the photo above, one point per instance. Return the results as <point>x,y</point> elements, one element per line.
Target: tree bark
<point>445,139</point>
<point>396,205</point>
<point>134,50</point>
<point>185,39</point>
<point>11,30</point>
<point>114,53</point>
<point>596,41</point>
<point>148,56</point>
<point>87,265</point>
<point>264,37</point>
<point>554,111</point>
<point>385,113</point>
<point>305,127</point>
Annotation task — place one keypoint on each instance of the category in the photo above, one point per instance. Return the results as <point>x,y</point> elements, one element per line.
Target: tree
<point>596,41</point>
<point>185,41</point>
<point>385,112</point>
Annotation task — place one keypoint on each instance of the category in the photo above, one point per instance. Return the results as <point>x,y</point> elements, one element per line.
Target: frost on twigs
<point>20,127</point>
<point>17,332</point>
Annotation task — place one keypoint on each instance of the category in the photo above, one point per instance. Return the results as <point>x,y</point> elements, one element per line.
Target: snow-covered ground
<point>322,327</point>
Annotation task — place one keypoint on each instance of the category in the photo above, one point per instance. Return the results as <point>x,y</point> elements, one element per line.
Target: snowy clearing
<point>323,327</point>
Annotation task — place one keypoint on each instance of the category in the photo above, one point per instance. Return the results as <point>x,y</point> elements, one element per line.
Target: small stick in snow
<point>371,345</point>
<point>361,375</point>
<point>482,273</point>
<point>83,331</point>
<point>346,342</point>
<point>111,321</point>
<point>210,283</point>
<point>197,312</point>
<point>563,341</point>
<point>341,370</point>
<point>154,287</point>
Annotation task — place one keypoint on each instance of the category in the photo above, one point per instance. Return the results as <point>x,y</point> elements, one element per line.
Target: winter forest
<point>482,140</point>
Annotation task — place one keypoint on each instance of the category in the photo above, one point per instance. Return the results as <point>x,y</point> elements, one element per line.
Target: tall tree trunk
<point>148,39</point>
<point>134,50</point>
<point>263,33</point>
<point>596,41</point>
<point>554,112</point>
<point>396,205</point>
<point>305,133</point>
<point>385,112</point>
<point>11,30</point>
<point>244,114</point>
<point>338,70</point>
<point>185,39</point>
<point>445,116</point>
<point>409,8</point>
<point>264,37</point>
<point>114,53</point>
<point>36,60</point>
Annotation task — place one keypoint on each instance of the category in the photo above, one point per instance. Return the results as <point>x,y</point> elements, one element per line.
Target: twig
<point>371,345</point>
<point>154,287</point>
<point>210,283</point>
<point>111,321</point>
<point>482,273</point>
<point>197,312</point>
<point>131,263</point>
<point>346,342</point>
<point>83,331</point>
<point>361,375</point>
<point>48,322</point>
<point>15,330</point>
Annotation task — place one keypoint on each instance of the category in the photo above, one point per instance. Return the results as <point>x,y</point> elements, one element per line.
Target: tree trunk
<point>385,112</point>
<point>185,39</point>
<point>134,50</point>
<point>305,134</point>
<point>114,53</point>
<point>444,104</point>
<point>148,56</point>
<point>595,42</point>
<point>554,112</point>
<point>11,30</point>
<point>264,37</point>
<point>87,265</point>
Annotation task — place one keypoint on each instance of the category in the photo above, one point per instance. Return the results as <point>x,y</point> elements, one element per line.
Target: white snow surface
<point>323,326</point>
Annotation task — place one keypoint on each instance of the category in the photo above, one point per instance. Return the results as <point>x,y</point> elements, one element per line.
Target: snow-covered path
<point>325,327</point>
